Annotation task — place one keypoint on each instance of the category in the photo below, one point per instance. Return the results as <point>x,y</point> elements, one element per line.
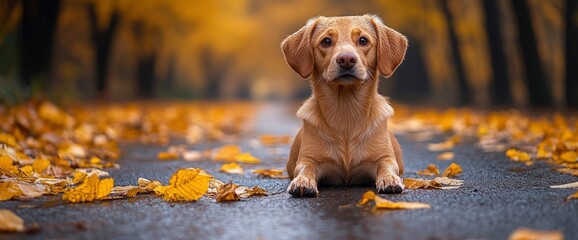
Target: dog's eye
<point>363,41</point>
<point>326,42</point>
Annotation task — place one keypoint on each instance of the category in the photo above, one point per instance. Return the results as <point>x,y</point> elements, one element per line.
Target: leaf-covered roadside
<point>522,137</point>
<point>45,150</point>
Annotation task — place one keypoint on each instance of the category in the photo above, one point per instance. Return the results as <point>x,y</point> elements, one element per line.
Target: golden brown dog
<point>344,139</point>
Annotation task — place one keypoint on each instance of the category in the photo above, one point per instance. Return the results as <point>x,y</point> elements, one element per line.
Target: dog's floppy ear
<point>391,47</point>
<point>297,51</point>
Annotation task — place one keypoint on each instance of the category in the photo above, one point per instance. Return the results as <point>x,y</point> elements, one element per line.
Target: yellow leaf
<point>78,176</point>
<point>91,188</point>
<point>226,193</point>
<point>28,170</point>
<point>104,187</point>
<point>517,155</point>
<point>431,170</point>
<point>268,140</point>
<point>185,185</point>
<point>40,165</point>
<point>232,168</point>
<point>50,113</point>
<point>227,153</point>
<point>452,170</point>
<point>10,222</point>
<point>247,158</point>
<point>148,185</point>
<point>8,190</point>
<point>7,139</point>
<point>381,203</point>
<point>167,156</point>
<point>569,156</point>
<point>95,160</point>
<point>531,234</point>
<point>72,150</point>
<point>411,183</point>
<point>271,173</point>
<point>6,163</point>
<point>446,156</point>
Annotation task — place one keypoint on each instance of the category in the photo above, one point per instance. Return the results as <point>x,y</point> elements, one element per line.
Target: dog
<point>344,139</point>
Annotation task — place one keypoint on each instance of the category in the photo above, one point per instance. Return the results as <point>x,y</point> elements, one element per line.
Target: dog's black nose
<point>346,60</point>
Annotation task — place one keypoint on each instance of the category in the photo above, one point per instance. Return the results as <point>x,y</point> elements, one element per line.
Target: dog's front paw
<point>389,184</point>
<point>303,187</point>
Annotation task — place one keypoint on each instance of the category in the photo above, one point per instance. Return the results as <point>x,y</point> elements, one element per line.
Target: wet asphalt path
<point>498,196</point>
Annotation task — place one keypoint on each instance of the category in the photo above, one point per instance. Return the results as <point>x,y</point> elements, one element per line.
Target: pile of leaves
<point>521,137</point>
<point>45,150</point>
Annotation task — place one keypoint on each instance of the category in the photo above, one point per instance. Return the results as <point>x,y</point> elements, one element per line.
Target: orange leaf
<point>452,170</point>
<point>531,234</point>
<point>431,170</point>
<point>232,168</point>
<point>167,156</point>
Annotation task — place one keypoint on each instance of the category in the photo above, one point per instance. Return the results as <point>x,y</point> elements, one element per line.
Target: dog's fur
<point>344,139</point>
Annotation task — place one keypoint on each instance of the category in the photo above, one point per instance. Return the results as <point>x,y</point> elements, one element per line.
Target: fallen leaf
<point>148,185</point>
<point>449,181</point>
<point>226,193</point>
<point>227,153</point>
<point>7,139</point>
<point>10,222</point>
<point>247,158</point>
<point>453,170</point>
<point>14,188</point>
<point>431,170</point>
<point>40,165</point>
<point>412,183</point>
<point>270,173</point>
<point>381,203</point>
<point>446,156</point>
<point>567,185</point>
<point>167,156</point>
<point>92,188</point>
<point>244,192</point>
<point>569,156</point>
<point>268,140</point>
<point>185,185</point>
<point>232,168</point>
<point>129,191</point>
<point>517,155</point>
<point>531,234</point>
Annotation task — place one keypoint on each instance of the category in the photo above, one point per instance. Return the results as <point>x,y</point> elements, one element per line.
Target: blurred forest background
<point>520,53</point>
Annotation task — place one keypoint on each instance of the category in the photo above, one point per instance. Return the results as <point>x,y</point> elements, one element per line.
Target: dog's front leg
<point>305,182</point>
<point>387,177</point>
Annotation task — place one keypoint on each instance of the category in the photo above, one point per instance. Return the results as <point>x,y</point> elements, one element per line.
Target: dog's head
<point>345,50</point>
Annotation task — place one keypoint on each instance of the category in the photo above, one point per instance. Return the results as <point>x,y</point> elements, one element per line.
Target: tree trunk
<point>454,44</point>
<point>411,82</point>
<point>500,84</point>
<point>146,75</point>
<point>38,28</point>
<point>571,53</point>
<point>538,89</point>
<point>102,44</point>
<point>215,72</point>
